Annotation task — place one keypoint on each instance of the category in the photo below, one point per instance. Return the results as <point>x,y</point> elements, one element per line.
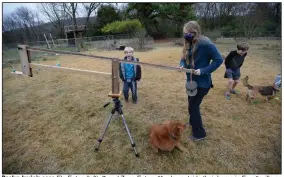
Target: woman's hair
<point>190,27</point>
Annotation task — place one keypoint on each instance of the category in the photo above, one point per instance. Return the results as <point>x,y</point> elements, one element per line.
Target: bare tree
<point>207,12</point>
<point>216,14</point>
<point>249,19</point>
<point>227,9</point>
<point>71,11</point>
<point>25,19</point>
<point>89,9</point>
<point>55,14</point>
<point>9,23</point>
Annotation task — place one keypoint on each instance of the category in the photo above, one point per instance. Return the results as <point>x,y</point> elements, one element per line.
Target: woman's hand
<point>197,72</point>
<point>181,68</point>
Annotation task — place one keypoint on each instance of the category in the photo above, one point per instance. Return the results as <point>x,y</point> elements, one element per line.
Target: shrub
<point>119,27</point>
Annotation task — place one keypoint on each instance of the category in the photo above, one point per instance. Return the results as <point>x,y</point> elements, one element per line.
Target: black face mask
<point>188,37</point>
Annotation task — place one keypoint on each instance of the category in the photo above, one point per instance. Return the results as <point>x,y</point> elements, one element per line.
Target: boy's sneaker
<point>233,91</point>
<point>196,139</point>
<point>228,97</point>
<point>126,100</point>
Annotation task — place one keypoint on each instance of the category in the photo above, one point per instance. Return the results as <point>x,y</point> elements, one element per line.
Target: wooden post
<point>25,58</point>
<point>115,79</point>
<point>52,40</point>
<point>46,41</point>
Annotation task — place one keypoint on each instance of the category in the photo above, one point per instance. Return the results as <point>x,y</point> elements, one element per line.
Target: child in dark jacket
<point>233,63</point>
<point>130,74</point>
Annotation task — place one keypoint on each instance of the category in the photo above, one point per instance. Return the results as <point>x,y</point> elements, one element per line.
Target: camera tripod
<point>117,108</point>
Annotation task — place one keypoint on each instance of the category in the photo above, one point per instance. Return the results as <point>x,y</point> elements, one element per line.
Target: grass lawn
<point>51,122</point>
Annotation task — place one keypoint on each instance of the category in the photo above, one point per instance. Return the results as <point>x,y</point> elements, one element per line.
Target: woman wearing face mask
<point>197,53</point>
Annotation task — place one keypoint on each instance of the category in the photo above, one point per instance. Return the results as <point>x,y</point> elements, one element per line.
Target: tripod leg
<point>129,135</point>
<point>117,117</point>
<point>105,129</point>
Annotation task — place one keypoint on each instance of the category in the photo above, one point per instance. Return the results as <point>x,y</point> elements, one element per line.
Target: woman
<point>198,51</point>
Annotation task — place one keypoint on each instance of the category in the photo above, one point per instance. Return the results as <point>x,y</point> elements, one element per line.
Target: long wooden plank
<point>110,58</point>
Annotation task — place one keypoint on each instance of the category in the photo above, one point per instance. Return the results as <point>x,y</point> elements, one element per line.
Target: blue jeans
<point>194,112</point>
<point>133,87</point>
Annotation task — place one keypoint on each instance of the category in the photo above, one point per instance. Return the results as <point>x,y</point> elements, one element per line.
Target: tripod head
<point>116,102</point>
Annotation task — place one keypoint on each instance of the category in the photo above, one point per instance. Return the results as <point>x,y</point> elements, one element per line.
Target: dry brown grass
<point>51,121</point>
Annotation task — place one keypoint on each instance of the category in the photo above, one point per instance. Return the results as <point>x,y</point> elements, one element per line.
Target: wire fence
<point>273,35</point>
<point>244,35</point>
<point>69,42</point>
<point>108,42</point>
<point>113,42</point>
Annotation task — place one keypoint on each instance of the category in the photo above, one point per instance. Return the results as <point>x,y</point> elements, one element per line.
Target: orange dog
<point>166,136</point>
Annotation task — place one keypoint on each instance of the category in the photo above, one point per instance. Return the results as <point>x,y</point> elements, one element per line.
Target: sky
<point>10,7</point>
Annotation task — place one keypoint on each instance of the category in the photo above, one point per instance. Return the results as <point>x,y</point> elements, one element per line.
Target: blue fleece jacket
<point>129,70</point>
<point>205,52</point>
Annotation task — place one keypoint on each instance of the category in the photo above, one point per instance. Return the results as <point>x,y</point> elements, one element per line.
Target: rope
<point>192,63</point>
<point>32,65</point>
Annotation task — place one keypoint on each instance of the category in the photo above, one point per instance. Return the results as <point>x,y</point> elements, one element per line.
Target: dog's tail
<point>246,84</point>
<point>275,89</point>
